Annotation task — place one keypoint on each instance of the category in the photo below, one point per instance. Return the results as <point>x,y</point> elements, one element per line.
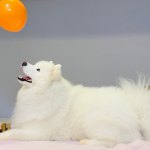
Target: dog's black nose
<point>24,63</point>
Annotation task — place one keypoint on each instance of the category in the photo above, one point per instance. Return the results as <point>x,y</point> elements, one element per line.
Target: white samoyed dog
<point>49,107</point>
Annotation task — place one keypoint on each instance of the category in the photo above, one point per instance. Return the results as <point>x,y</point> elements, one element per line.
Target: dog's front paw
<point>7,135</point>
<point>3,137</point>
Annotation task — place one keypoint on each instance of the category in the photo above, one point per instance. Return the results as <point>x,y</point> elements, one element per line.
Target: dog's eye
<point>38,69</point>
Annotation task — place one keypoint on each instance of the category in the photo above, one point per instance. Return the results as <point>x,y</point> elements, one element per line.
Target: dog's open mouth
<point>25,78</point>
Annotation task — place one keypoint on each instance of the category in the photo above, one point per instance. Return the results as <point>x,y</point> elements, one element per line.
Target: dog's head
<point>43,72</point>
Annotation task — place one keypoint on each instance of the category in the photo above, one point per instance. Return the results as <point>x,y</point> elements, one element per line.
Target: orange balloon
<point>13,15</point>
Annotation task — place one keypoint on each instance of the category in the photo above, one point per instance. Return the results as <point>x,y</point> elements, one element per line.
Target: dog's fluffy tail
<point>142,83</point>
<point>137,91</point>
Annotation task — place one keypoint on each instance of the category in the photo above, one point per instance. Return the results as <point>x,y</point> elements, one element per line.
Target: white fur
<point>51,108</point>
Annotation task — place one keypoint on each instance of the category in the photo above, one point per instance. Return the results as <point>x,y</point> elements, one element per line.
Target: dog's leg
<point>20,134</point>
<point>100,135</point>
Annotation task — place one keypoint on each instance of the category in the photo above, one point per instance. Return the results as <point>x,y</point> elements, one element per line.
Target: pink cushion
<point>46,145</point>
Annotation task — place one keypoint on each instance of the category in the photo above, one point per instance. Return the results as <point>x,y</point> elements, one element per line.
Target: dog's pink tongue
<point>27,77</point>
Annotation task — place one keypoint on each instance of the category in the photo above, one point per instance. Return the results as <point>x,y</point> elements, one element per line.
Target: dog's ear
<point>58,67</point>
<point>56,72</point>
<point>51,62</point>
